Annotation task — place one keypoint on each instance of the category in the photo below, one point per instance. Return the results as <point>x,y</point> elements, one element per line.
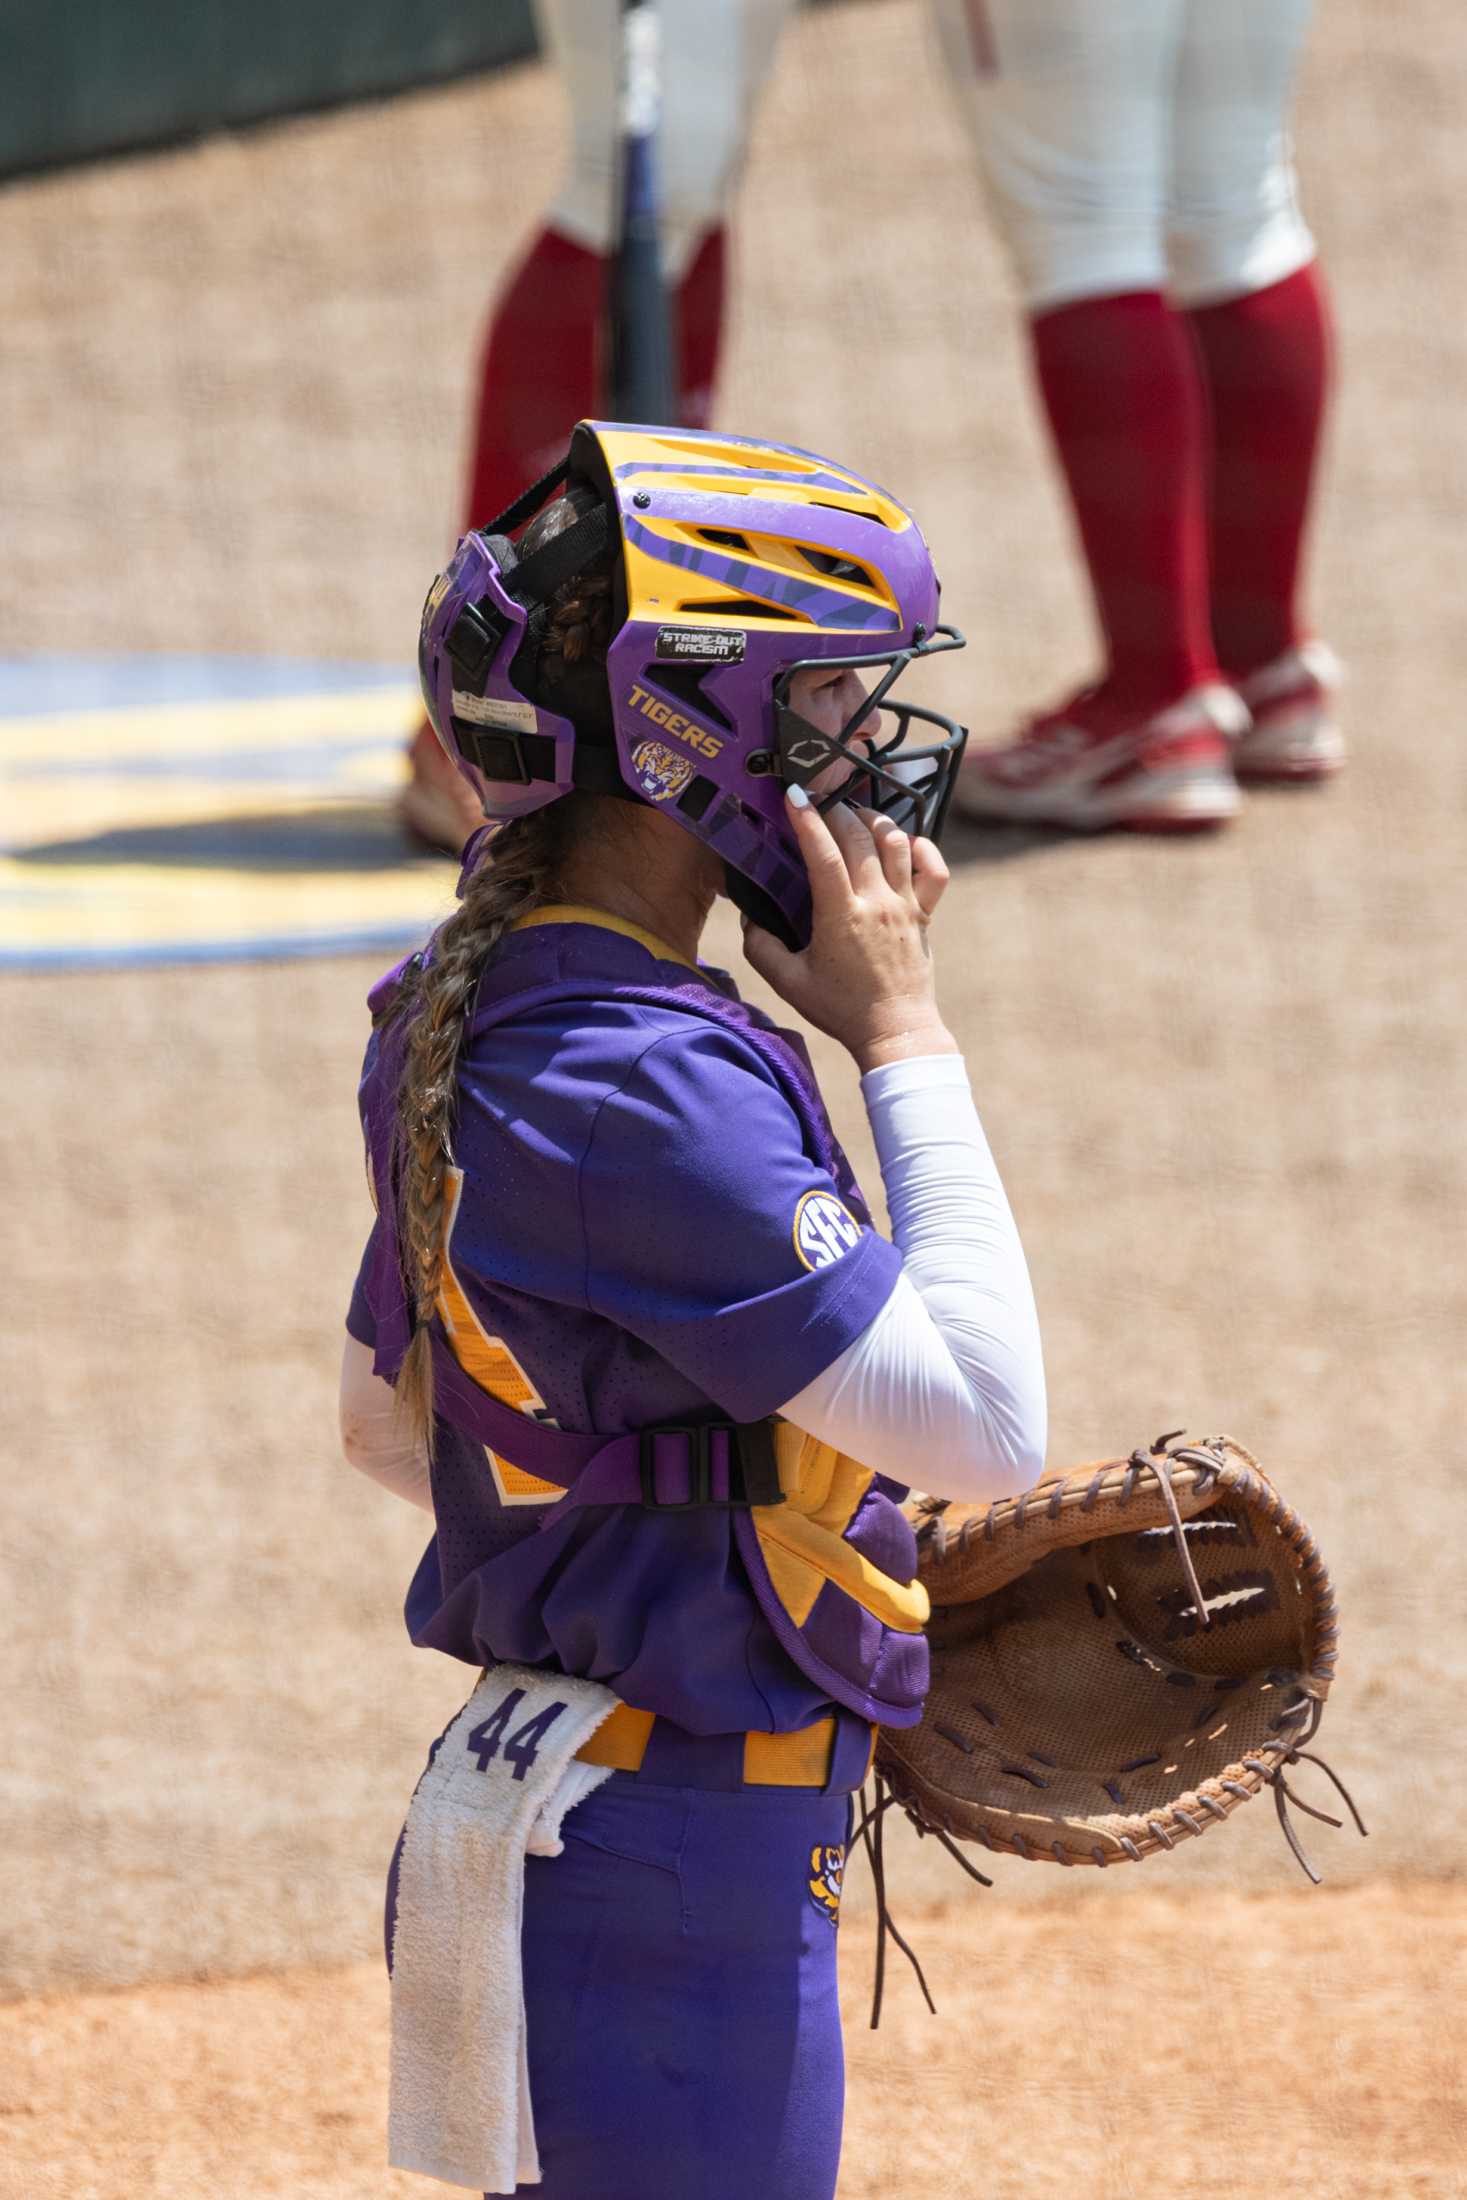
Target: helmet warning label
<point>494,710</point>
<point>701,645</point>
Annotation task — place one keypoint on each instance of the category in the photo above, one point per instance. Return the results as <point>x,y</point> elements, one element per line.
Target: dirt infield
<point>1225,1081</point>
<point>1107,2061</point>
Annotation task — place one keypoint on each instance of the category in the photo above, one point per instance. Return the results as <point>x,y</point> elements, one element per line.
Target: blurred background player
<point>544,360</point>
<point>1139,166</point>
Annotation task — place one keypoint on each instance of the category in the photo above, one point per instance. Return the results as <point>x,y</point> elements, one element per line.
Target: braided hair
<point>518,873</point>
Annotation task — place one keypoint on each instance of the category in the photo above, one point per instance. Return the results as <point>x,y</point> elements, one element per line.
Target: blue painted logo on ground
<point>186,809</point>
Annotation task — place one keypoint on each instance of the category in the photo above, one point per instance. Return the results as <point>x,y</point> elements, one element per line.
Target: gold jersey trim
<point>575,912</point>
<point>489,1362</point>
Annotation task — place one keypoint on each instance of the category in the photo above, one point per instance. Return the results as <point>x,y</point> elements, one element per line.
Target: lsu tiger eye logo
<point>661,772</point>
<point>825,1230</point>
<point>827,1869</point>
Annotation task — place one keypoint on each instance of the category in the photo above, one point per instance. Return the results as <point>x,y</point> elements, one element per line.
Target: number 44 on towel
<point>521,1748</point>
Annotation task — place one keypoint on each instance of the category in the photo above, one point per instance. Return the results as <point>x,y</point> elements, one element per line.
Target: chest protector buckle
<point>724,1466</point>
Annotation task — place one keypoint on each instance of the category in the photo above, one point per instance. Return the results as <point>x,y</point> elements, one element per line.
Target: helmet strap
<point>523,758</point>
<point>536,578</point>
<point>526,505</point>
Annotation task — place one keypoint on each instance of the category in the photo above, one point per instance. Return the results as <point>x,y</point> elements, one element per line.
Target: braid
<point>510,881</point>
<point>517,874</point>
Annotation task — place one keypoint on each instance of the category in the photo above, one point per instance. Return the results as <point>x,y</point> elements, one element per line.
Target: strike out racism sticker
<point>825,1230</point>
<point>700,645</point>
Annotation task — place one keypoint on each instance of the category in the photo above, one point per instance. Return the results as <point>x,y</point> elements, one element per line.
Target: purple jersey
<point>639,1234</point>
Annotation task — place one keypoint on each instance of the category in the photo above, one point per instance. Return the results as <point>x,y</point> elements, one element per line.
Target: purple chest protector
<point>827,1549</point>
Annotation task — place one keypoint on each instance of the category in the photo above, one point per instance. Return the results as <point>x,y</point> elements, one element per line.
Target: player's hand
<point>866,977</point>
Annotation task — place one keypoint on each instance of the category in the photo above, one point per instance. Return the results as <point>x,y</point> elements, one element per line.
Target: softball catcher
<point>625,1328</point>
<point>624,1324</point>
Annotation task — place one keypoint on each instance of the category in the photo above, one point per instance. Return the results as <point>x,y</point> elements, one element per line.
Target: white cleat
<point>1089,767</point>
<point>1291,702</point>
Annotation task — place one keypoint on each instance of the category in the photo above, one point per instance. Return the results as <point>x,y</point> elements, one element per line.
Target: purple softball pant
<point>680,1989</point>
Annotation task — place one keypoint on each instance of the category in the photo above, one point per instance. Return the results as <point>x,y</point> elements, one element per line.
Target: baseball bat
<point>641,336</point>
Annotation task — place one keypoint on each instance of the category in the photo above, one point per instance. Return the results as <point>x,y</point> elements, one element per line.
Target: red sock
<point>543,367</point>
<point>698,321</point>
<point>540,372</point>
<point>1120,384</point>
<point>1266,361</point>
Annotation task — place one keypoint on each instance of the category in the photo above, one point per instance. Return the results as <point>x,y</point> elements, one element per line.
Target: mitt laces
<point>870,1832</point>
<point>1158,1462</point>
<point>1161,1461</point>
<point>1310,1710</point>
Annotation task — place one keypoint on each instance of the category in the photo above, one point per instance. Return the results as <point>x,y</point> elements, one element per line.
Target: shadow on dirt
<point>334,836</point>
<point>964,843</point>
<point>364,836</point>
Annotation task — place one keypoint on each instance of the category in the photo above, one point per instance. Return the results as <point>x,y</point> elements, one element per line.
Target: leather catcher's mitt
<point>1120,1658</point>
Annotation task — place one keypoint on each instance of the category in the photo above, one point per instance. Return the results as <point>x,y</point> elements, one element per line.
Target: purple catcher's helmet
<point>734,564</point>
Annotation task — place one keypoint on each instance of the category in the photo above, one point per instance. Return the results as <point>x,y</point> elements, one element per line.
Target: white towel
<point>504,1776</point>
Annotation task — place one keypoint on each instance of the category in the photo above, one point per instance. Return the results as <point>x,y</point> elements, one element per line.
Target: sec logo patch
<point>825,1230</point>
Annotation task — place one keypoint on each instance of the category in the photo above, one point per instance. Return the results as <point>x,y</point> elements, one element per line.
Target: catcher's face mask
<point>905,776</point>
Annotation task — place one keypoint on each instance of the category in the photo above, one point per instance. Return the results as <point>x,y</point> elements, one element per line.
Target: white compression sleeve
<point>945,1389</point>
<point>373,1434</point>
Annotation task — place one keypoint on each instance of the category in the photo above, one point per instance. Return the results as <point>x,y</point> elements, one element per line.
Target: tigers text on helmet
<point>735,565</point>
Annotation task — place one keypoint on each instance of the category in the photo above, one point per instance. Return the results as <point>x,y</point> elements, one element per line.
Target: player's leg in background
<point>542,365</point>
<point>1243,263</point>
<point>1068,103</point>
